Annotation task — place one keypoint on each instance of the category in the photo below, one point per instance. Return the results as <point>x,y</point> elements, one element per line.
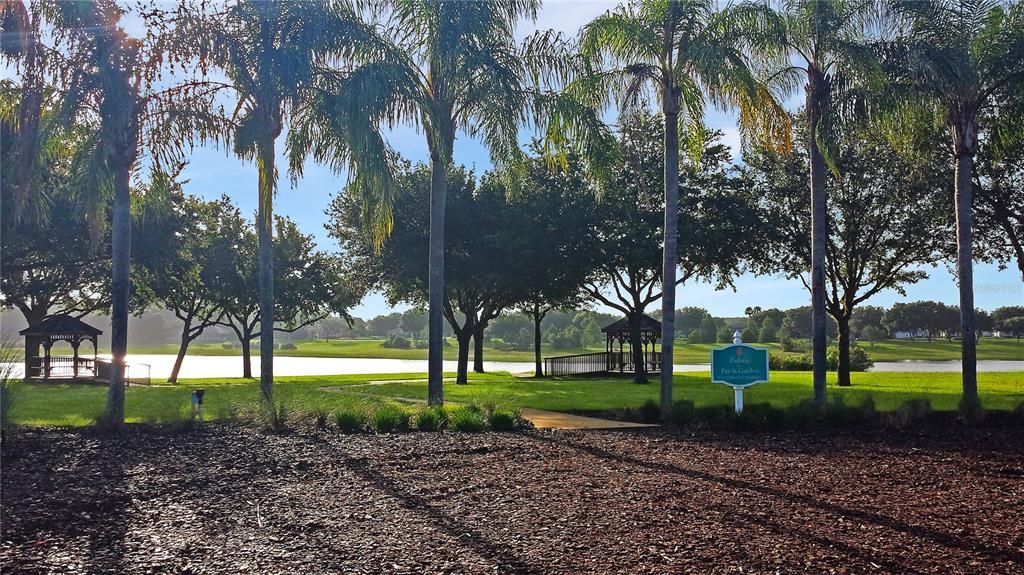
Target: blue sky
<point>212,172</point>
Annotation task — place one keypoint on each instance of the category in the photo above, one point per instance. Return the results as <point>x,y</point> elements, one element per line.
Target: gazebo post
<point>75,342</point>
<point>47,344</point>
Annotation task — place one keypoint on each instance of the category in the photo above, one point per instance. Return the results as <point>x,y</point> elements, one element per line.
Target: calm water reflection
<point>231,366</point>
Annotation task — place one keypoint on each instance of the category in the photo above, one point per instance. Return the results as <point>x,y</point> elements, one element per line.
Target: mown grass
<point>47,404</point>
<point>891,350</point>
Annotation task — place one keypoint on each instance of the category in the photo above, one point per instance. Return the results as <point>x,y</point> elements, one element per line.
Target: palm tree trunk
<point>538,364</point>
<point>669,257</point>
<point>843,369</point>
<point>819,240</point>
<point>435,280</point>
<point>964,144</point>
<point>121,251</point>
<point>265,230</point>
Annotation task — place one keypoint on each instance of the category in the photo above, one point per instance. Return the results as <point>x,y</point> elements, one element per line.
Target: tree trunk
<point>246,356</point>
<point>435,280</point>
<point>538,363</point>
<point>265,230</point>
<point>668,264</point>
<point>182,349</point>
<point>819,235</point>
<point>478,348</point>
<point>965,144</point>
<point>636,350</point>
<point>843,370</point>
<point>463,337</point>
<point>121,250</point>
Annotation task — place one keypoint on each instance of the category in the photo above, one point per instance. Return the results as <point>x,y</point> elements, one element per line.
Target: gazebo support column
<point>74,357</point>
<point>47,344</point>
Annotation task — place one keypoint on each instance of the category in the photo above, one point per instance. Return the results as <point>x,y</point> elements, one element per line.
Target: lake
<point>231,366</point>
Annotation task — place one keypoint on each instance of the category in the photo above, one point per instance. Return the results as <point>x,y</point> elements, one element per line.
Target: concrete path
<point>540,418</point>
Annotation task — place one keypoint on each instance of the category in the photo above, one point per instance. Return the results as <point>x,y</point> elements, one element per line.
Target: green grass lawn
<point>891,350</point>
<point>39,404</point>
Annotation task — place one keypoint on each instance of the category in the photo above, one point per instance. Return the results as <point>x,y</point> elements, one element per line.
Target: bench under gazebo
<point>618,354</point>
<point>45,334</point>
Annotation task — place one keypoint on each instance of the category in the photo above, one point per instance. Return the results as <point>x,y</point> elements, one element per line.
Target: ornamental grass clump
<point>351,419</point>
<point>431,419</point>
<point>504,418</point>
<point>467,419</point>
<point>389,418</point>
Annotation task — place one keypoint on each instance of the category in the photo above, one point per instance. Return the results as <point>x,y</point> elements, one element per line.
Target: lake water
<point>228,366</point>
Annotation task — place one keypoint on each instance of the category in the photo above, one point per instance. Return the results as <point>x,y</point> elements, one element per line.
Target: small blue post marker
<point>197,402</point>
<point>739,366</point>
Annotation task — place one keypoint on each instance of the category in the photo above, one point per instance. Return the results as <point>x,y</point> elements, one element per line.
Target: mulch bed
<point>229,500</point>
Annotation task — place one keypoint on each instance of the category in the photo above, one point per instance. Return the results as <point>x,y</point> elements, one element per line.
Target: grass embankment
<point>40,404</point>
<point>891,350</point>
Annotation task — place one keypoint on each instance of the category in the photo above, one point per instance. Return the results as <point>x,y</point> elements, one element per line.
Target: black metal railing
<point>600,362</point>
<point>576,364</point>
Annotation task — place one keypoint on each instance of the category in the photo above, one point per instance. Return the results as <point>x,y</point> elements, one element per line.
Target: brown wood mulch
<point>228,500</point>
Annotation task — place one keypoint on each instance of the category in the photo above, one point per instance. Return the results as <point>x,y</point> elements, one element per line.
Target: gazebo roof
<point>61,325</point>
<point>647,323</point>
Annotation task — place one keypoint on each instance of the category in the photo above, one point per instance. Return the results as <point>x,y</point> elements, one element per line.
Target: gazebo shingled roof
<point>61,325</point>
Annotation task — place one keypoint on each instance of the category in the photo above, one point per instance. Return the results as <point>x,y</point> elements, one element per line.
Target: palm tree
<point>951,61</point>
<point>687,52</point>
<point>104,68</point>
<point>824,50</point>
<point>444,67</point>
<point>20,44</point>
<point>271,51</point>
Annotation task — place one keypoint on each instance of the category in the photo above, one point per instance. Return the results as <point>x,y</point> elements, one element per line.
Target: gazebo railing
<point>622,361</point>
<point>61,367</point>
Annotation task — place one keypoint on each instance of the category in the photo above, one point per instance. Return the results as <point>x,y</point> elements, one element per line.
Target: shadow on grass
<point>990,552</point>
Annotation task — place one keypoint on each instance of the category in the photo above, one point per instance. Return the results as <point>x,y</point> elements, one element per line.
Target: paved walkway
<point>540,418</point>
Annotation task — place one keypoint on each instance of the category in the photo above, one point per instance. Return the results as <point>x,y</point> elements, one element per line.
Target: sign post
<point>739,366</point>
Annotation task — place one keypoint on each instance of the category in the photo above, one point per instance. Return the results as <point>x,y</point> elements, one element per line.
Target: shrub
<point>397,342</point>
<point>430,419</point>
<point>789,362</point>
<point>787,343</point>
<point>694,336</point>
<point>228,345</point>
<point>859,360</point>
<point>749,335</point>
<point>289,346</point>
<point>911,412</point>
<point>506,419</point>
<point>351,419</point>
<point>760,416</point>
<point>468,419</point>
<point>681,412</point>
<point>388,418</point>
<point>650,411</point>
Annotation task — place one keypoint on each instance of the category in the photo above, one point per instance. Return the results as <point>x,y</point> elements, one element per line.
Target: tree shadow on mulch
<point>944,538</point>
<point>506,561</point>
<point>68,504</point>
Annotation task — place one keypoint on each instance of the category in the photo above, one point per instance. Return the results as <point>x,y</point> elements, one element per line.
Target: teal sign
<point>739,365</point>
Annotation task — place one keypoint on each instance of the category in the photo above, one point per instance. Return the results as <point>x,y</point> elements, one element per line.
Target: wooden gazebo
<point>49,331</point>
<point>619,335</point>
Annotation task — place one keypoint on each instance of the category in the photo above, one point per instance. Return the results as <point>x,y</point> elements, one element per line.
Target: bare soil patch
<point>229,500</point>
